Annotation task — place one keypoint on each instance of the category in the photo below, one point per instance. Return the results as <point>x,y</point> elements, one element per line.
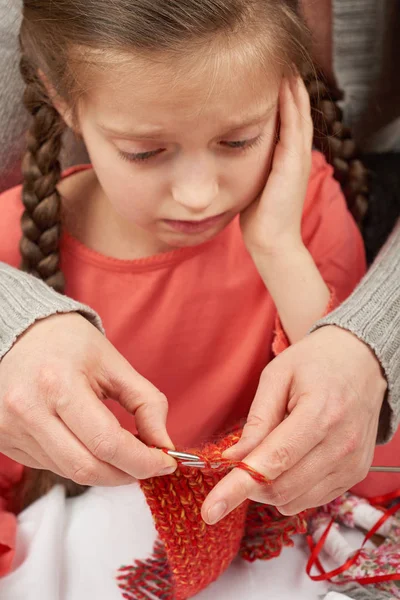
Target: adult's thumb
<point>267,410</point>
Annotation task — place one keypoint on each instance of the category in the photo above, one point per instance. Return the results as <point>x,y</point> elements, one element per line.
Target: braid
<point>41,170</point>
<point>335,141</point>
<point>41,228</point>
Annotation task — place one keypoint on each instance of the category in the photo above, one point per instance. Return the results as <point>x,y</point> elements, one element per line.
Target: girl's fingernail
<point>216,512</point>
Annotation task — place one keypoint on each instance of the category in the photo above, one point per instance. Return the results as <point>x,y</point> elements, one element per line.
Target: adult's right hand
<point>52,417</point>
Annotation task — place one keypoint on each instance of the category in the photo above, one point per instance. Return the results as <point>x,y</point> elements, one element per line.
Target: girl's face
<point>180,148</point>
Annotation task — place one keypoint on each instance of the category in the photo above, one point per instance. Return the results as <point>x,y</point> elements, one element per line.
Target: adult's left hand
<point>312,427</point>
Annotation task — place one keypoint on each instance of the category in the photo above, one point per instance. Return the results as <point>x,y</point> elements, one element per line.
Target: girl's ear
<point>59,103</point>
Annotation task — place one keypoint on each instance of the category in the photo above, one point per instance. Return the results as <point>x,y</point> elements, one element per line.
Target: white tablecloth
<point>71,549</point>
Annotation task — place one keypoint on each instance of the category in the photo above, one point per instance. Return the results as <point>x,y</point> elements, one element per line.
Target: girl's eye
<point>140,156</point>
<point>241,144</point>
<point>144,156</point>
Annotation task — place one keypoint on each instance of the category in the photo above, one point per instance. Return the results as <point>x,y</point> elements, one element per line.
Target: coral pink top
<point>198,322</point>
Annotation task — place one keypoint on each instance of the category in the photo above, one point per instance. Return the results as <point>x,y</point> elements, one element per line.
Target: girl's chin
<point>182,240</point>
<point>181,234</point>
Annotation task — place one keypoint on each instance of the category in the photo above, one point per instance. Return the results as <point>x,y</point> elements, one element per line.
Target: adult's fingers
<point>302,477</point>
<point>32,454</point>
<point>291,441</point>
<point>99,431</point>
<point>288,443</point>
<point>267,411</point>
<point>318,496</point>
<point>140,398</point>
<point>242,486</point>
<point>227,495</point>
<point>26,459</point>
<point>347,469</point>
<point>73,460</point>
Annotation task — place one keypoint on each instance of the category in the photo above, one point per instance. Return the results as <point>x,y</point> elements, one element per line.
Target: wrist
<point>356,347</point>
<point>278,255</point>
<point>282,245</point>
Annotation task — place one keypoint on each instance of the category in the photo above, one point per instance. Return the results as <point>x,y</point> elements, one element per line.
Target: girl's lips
<point>194,226</point>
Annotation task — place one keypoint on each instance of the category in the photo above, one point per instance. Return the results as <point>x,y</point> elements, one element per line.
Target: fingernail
<point>235,451</point>
<point>229,452</point>
<point>167,471</point>
<point>216,512</point>
<point>282,511</point>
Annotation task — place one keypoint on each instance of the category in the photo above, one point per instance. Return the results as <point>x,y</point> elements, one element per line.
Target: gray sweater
<point>372,313</point>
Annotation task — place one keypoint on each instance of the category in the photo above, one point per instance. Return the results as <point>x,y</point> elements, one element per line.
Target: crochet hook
<point>192,460</point>
<point>384,470</point>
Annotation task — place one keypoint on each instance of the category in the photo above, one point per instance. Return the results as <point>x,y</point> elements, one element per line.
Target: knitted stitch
<point>191,554</point>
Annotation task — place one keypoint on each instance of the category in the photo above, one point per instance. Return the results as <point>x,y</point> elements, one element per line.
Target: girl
<point>205,232</point>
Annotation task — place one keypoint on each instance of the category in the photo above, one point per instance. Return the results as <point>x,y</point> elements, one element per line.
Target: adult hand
<point>52,417</point>
<point>331,388</point>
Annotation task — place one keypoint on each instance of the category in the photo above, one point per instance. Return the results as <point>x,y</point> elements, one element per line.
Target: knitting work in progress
<point>189,554</point>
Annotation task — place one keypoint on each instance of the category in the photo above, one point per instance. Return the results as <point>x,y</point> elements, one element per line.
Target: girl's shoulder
<point>11,209</point>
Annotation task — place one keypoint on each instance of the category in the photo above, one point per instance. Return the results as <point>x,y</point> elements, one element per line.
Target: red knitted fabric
<point>190,554</point>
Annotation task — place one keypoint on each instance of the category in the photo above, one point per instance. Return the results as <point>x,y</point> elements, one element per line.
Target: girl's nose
<point>196,189</point>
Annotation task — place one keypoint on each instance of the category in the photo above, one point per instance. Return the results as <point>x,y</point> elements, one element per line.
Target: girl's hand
<point>273,222</point>
<point>52,417</point>
<point>272,225</point>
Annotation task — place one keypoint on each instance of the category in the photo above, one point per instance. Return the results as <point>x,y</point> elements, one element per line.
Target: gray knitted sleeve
<point>372,313</point>
<point>25,299</point>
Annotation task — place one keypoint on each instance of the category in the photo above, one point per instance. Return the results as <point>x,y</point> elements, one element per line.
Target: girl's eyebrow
<point>157,132</point>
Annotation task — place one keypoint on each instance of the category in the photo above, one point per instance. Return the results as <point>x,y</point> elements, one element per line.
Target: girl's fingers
<point>289,134</point>
<point>301,100</point>
<point>295,112</point>
<point>293,152</point>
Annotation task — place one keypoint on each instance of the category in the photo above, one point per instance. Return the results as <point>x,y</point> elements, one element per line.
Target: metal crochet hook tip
<point>185,459</point>
<point>184,456</point>
<point>384,470</point>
